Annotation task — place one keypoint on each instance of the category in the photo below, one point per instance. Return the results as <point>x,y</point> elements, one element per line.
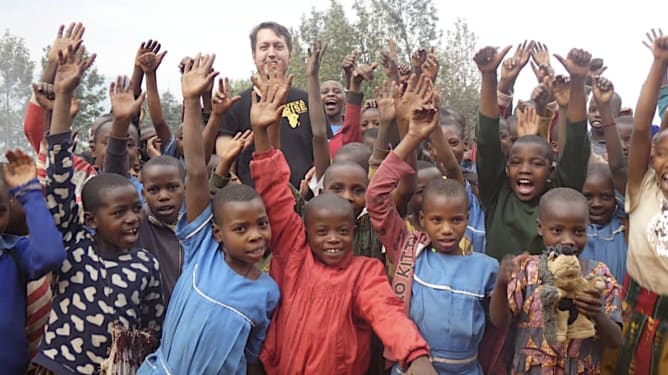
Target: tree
<point>411,22</point>
<point>459,77</point>
<point>16,72</point>
<point>92,95</point>
<point>171,111</point>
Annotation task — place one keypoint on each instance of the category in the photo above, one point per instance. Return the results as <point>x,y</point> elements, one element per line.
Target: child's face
<point>528,169</point>
<point>457,146</point>
<point>370,118</point>
<point>600,194</point>
<point>564,223</point>
<point>99,148</point>
<point>179,140</point>
<point>349,183</point>
<point>444,219</point>
<point>625,129</point>
<point>330,234</point>
<point>332,98</point>
<point>659,159</point>
<point>243,229</point>
<point>163,191</point>
<point>117,219</point>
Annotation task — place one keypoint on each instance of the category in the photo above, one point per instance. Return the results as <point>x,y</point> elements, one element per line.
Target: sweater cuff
<point>502,99</point>
<point>20,191</point>
<point>415,354</point>
<point>354,98</point>
<point>60,138</point>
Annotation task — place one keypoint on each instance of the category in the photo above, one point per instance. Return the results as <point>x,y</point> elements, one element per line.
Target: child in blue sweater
<point>22,258</point>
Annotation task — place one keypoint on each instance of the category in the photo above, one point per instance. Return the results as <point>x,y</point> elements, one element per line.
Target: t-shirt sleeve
<point>196,234</point>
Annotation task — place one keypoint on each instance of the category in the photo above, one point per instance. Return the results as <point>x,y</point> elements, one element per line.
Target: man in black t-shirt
<point>272,45</point>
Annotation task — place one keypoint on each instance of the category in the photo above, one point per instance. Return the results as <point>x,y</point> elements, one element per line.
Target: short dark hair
<point>456,119</point>
<point>424,164</point>
<point>165,161</point>
<point>331,202</point>
<point>626,119</point>
<point>232,193</point>
<point>562,195</point>
<point>342,164</point>
<point>277,28</point>
<point>599,169</point>
<point>356,151</point>
<point>101,125</point>
<point>530,138</point>
<point>93,192</point>
<point>445,187</point>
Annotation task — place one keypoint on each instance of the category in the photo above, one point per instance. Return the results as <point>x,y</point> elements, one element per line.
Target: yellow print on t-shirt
<point>292,111</point>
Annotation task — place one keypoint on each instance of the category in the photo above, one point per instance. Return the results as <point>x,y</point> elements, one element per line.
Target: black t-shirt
<point>296,134</point>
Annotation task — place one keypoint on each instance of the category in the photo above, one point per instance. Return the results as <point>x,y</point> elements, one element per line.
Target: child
<point>370,117</point>
<point>104,280</point>
<point>434,273</point>
<point>331,299</point>
<point>606,221</point>
<point>22,259</point>
<point>646,287</point>
<point>163,179</point>
<point>222,304</point>
<point>332,98</point>
<point>562,223</point>
<point>510,190</point>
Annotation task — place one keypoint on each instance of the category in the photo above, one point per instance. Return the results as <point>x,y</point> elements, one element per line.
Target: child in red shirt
<point>331,300</point>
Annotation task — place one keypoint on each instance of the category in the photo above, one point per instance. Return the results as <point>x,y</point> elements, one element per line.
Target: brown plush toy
<point>562,280</point>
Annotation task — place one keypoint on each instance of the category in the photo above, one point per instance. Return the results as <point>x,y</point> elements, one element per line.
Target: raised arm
<point>316,109</point>
<point>641,138</point>
<point>124,106</point>
<point>221,103</point>
<point>44,251</point>
<point>149,63</point>
<point>513,66</point>
<point>137,72</point>
<point>197,75</point>
<point>490,161</point>
<point>561,90</point>
<point>571,171</point>
<point>603,92</point>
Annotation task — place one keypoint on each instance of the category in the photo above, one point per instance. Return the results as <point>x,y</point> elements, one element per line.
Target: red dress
<point>323,323</point>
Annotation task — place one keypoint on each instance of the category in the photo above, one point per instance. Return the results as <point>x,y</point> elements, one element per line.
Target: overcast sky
<point>114,29</point>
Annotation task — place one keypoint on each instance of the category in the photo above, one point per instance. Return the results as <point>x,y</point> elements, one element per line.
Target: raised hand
<point>404,73</point>
<point>542,71</point>
<point>388,59</point>
<point>527,121</point>
<point>63,41</point>
<point>153,146</point>
<point>603,90</point>
<point>561,89</point>
<point>418,58</point>
<point>273,76</point>
<point>198,75</point>
<point>19,169</point>
<point>124,106</point>
<point>431,65</point>
<point>239,143</point>
<point>385,103</point>
<point>150,61</point>
<point>489,58</point>
<point>44,94</point>
<point>540,54</point>
<point>349,63</point>
<point>424,114</point>
<point>146,47</point>
<point>541,95</point>
<point>71,66</point>
<point>267,110</point>
<point>412,97</point>
<point>221,99</point>
<point>364,72</point>
<point>184,61</point>
<point>576,63</point>
<point>315,53</point>
<point>658,44</point>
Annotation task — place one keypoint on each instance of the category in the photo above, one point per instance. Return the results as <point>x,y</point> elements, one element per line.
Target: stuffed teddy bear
<point>562,280</point>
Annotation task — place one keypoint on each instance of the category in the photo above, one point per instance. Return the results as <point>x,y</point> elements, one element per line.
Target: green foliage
<point>16,72</point>
<point>171,111</point>
<point>459,77</point>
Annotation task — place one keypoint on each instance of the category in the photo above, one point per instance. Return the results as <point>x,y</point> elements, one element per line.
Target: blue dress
<point>606,243</point>
<point>217,319</point>
<point>448,305</point>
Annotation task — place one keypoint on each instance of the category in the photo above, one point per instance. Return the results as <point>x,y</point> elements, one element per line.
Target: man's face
<point>270,49</point>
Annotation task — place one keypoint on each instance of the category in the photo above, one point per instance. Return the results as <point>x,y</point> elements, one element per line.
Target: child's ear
<point>539,227</point>
<point>89,220</point>
<point>217,233</point>
<point>421,216</point>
